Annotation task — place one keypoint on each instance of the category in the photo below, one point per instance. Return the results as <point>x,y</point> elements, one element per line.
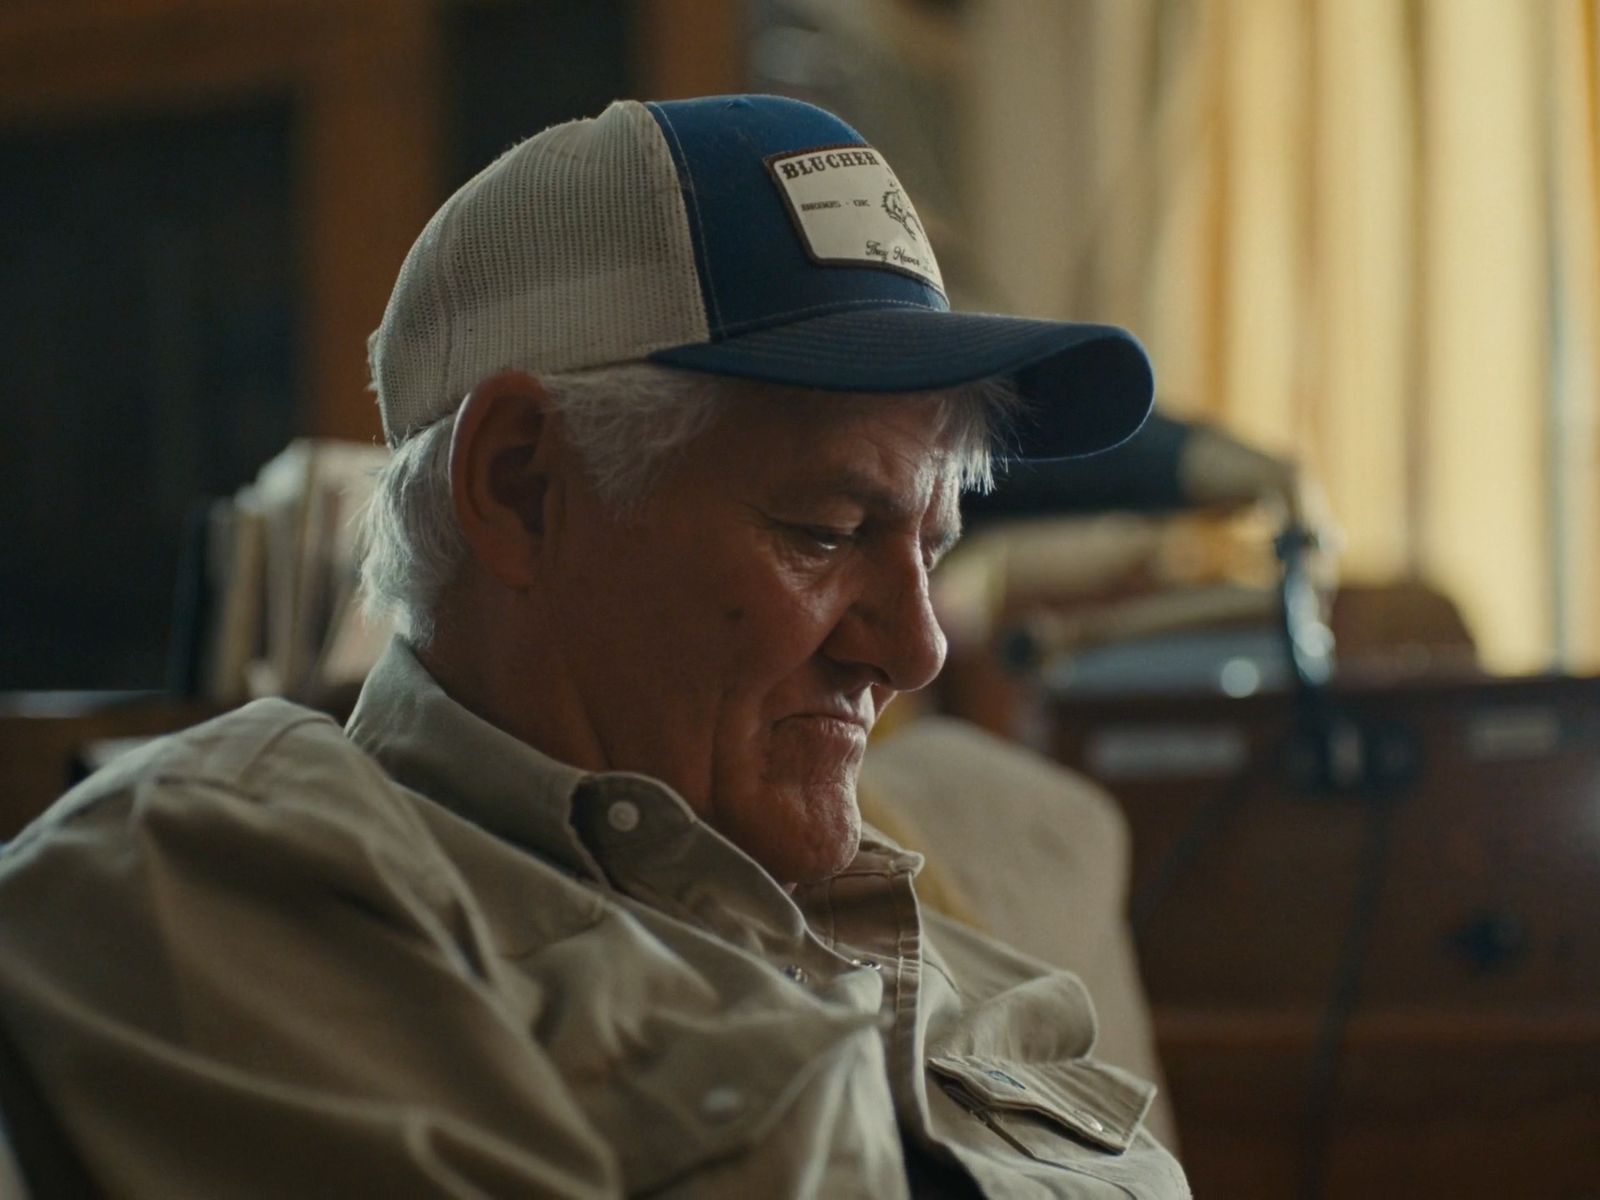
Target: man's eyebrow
<point>861,487</point>
<point>851,483</point>
<point>949,533</point>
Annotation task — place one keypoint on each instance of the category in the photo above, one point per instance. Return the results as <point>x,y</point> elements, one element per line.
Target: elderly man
<point>580,902</point>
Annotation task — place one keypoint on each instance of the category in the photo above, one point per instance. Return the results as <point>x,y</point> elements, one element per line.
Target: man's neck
<point>511,681</point>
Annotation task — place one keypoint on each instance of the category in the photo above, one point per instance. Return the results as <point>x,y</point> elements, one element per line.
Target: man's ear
<point>500,458</point>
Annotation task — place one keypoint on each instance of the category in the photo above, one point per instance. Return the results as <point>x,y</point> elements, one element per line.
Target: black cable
<point>1322,1088</point>
<point>1310,669</point>
<point>1372,873</point>
<point>1207,824</point>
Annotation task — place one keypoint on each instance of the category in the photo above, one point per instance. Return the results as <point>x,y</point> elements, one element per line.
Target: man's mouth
<point>842,721</point>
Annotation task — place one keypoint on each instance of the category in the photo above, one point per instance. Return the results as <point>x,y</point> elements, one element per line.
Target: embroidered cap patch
<point>850,210</point>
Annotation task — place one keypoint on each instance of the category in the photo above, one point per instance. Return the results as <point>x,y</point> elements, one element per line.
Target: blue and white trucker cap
<point>756,237</point>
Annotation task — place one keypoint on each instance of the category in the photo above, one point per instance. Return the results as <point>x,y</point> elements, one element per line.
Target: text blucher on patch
<point>850,209</point>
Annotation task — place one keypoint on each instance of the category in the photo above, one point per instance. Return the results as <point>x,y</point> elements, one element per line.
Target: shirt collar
<point>433,745</point>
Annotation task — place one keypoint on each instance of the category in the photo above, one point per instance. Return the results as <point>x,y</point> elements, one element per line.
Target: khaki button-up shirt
<point>418,958</point>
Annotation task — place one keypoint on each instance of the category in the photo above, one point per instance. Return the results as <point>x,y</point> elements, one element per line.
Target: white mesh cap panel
<point>571,250</point>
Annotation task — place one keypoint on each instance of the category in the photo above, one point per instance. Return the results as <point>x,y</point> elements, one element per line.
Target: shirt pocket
<point>770,1090</point>
<point>1070,1113</point>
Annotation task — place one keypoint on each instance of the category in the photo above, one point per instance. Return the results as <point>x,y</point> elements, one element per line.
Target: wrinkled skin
<point>738,636</point>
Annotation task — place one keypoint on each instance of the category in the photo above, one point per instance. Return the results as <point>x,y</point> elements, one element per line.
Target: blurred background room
<point>1325,636</point>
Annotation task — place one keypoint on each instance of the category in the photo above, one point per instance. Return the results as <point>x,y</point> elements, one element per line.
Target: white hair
<point>626,422</point>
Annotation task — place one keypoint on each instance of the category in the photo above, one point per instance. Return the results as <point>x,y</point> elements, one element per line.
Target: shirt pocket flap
<point>1093,1101</point>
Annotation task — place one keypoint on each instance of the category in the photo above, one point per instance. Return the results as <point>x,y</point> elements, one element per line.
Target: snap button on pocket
<point>623,816</point>
<point>1089,1119</point>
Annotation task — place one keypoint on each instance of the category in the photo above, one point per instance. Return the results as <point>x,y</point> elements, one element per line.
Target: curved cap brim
<point>1088,387</point>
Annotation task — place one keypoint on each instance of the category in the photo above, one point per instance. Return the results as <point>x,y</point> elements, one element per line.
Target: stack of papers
<point>284,615</point>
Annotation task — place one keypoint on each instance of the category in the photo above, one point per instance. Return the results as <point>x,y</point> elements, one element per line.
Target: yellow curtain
<point>1363,232</point>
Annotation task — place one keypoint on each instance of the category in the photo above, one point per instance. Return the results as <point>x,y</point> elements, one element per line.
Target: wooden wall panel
<point>361,72</point>
<point>689,48</point>
<point>371,164</point>
<point>365,76</point>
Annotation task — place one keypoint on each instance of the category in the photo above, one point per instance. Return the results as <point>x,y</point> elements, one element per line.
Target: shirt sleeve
<point>267,988</point>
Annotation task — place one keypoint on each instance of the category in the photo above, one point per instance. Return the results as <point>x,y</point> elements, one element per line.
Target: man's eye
<point>825,537</point>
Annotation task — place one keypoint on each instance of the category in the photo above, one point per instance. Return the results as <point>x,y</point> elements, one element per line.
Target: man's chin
<point>800,836</point>
<point>824,864</point>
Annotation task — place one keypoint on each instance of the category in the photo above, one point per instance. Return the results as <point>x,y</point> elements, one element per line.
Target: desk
<point>41,734</point>
<point>1453,926</point>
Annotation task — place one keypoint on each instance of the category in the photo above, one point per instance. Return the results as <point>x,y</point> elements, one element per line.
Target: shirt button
<point>861,962</point>
<point>623,816</point>
<point>722,1104</point>
<point>795,972</point>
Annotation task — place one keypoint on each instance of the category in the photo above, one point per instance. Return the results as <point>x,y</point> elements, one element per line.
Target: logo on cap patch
<point>899,209</point>
<point>850,210</point>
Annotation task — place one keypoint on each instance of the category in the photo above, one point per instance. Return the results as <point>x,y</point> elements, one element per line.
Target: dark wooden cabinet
<point>44,738</point>
<point>1387,988</point>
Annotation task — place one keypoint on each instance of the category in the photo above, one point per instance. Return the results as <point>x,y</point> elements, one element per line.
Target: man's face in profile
<point>738,636</point>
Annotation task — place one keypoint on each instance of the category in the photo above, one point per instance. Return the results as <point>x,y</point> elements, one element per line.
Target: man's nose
<point>891,629</point>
